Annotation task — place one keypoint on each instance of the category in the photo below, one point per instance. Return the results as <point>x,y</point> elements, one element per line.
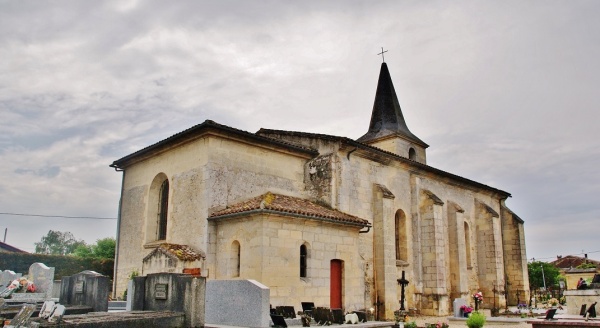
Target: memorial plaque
<point>79,287</point>
<point>160,291</point>
<point>192,271</point>
<point>21,319</point>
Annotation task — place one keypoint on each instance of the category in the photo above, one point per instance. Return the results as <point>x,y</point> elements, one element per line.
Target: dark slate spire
<point>387,118</point>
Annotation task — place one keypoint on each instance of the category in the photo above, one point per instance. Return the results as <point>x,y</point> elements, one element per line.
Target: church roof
<point>389,155</point>
<point>386,118</point>
<point>281,204</point>
<point>181,252</point>
<point>199,130</point>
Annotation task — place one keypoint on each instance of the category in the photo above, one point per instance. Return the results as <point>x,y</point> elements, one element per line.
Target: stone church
<point>320,218</point>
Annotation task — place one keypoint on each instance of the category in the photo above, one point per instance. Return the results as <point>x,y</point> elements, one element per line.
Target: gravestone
<point>130,292</point>
<point>47,309</point>
<point>171,292</point>
<point>550,314</point>
<point>21,319</point>
<point>287,312</point>
<point>307,307</point>
<point>242,303</point>
<point>43,278</point>
<point>338,316</point>
<point>278,321</point>
<point>87,288</point>
<point>7,277</point>
<point>57,314</point>
<point>458,302</point>
<point>591,312</point>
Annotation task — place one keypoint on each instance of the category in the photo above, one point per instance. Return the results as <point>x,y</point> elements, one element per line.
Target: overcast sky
<point>506,93</point>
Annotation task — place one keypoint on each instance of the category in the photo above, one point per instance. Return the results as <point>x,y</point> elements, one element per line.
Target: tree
<point>550,274</point>
<point>103,249</point>
<point>58,243</point>
<point>586,266</point>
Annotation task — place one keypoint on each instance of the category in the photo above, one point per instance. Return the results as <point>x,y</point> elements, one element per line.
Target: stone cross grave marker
<point>402,282</point>
<point>458,302</point>
<point>21,319</point>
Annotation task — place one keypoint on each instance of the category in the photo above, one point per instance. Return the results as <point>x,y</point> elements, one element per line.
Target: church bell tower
<point>388,130</point>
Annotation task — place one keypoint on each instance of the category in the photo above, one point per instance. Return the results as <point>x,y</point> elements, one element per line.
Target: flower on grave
<point>466,309</point>
<point>478,297</point>
<point>27,285</point>
<point>15,285</point>
<point>438,325</point>
<point>521,306</point>
<point>553,301</point>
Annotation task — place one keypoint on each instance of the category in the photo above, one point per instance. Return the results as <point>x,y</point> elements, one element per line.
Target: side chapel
<point>320,218</point>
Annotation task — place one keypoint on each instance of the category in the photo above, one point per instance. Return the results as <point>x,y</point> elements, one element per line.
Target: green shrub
<point>410,325</point>
<point>476,320</point>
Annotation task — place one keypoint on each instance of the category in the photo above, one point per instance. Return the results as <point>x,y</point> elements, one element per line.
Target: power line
<point>60,216</point>
<point>553,257</point>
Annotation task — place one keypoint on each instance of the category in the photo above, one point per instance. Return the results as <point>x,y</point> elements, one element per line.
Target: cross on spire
<point>381,53</point>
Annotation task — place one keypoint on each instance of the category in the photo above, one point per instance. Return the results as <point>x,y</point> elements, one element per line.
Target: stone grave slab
<point>242,303</point>
<point>42,277</point>
<point>458,302</point>
<point>21,319</point>
<point>171,292</point>
<point>47,309</point>
<point>57,314</point>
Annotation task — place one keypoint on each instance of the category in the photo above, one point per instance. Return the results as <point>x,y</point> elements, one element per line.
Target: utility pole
<point>543,277</point>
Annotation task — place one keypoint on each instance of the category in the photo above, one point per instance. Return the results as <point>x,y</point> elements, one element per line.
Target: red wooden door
<point>335,294</point>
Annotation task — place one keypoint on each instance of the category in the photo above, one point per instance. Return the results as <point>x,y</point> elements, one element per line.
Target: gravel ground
<point>422,320</point>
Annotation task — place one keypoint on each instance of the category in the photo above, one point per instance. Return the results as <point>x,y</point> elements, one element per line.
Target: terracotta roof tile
<point>290,205</point>
<point>571,261</point>
<point>181,252</point>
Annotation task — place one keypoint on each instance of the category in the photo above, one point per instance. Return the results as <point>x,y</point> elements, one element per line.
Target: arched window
<point>158,209</point>
<point>412,154</point>
<point>303,260</point>
<point>468,244</point>
<point>162,210</point>
<point>235,259</point>
<point>401,240</point>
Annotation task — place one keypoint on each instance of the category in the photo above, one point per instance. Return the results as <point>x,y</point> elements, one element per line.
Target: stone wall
<point>270,254</point>
<point>204,175</point>
<point>576,298</point>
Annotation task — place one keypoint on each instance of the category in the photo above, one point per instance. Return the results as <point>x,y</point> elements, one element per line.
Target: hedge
<point>63,265</point>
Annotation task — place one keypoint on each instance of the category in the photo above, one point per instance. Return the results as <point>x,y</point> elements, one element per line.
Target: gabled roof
<point>380,152</point>
<point>200,129</point>
<point>4,247</point>
<point>387,118</point>
<point>572,261</point>
<point>287,205</point>
<point>175,251</point>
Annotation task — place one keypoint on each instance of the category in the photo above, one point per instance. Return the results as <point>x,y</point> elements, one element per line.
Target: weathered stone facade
<point>452,236</point>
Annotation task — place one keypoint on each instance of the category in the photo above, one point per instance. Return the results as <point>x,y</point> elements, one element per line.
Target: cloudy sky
<point>505,93</point>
